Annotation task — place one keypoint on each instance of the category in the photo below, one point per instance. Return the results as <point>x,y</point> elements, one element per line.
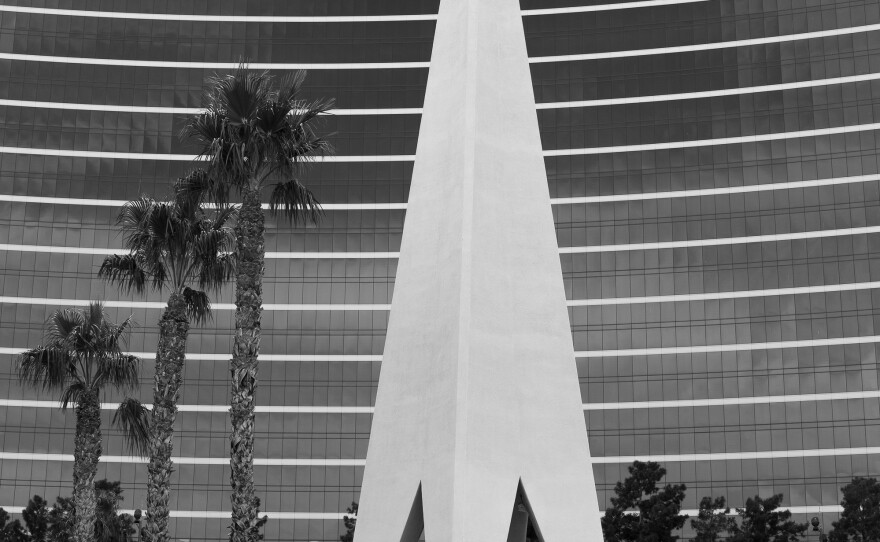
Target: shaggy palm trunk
<point>173,331</point>
<point>87,451</point>
<point>250,252</point>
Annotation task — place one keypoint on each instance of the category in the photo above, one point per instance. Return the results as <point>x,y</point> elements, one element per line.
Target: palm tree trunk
<point>87,451</point>
<point>173,331</point>
<point>250,252</point>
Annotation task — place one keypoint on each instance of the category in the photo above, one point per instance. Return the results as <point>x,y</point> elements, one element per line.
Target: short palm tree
<point>254,134</point>
<point>173,247</point>
<point>82,355</point>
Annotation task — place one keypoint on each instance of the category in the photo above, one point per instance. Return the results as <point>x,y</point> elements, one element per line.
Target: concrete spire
<point>479,386</point>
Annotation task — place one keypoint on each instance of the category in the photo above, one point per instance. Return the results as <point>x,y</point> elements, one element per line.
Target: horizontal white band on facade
<point>675,403</point>
<point>264,409</point>
<point>119,203</point>
<point>266,462</point>
<point>292,516</point>
<point>721,241</point>
<point>817,509</point>
<point>821,509</point>
<point>695,143</point>
<point>720,191</point>
<point>269,255</point>
<point>660,245</point>
<point>195,356</point>
<point>317,18</point>
<point>577,200</point>
<point>332,255</point>
<point>707,46</point>
<point>317,307</point>
<point>129,459</point>
<point>220,18</point>
<point>217,514</point>
<point>710,93</point>
<point>215,306</point>
<point>212,514</point>
<point>185,110</point>
<point>732,347</point>
<point>410,158</point>
<point>418,110</point>
<point>737,294</point>
<point>730,456</point>
<point>180,157</point>
<point>213,65</point>
<point>607,7</point>
<point>734,401</point>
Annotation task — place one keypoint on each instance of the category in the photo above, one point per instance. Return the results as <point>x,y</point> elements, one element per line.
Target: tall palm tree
<point>82,354</point>
<point>254,134</point>
<point>173,247</point>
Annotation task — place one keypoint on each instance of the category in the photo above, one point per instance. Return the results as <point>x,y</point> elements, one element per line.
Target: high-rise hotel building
<point>715,185</point>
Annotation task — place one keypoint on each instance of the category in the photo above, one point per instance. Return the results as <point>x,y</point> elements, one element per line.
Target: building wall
<point>750,368</point>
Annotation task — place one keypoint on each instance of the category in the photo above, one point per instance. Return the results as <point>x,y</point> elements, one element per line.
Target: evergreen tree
<point>61,518</point>
<point>110,525</point>
<point>713,521</point>
<point>860,520</point>
<point>762,522</point>
<point>350,522</point>
<point>11,531</point>
<point>657,509</point>
<point>57,524</point>
<point>36,517</point>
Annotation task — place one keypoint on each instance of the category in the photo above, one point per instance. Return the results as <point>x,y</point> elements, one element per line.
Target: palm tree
<point>255,133</point>
<point>81,355</point>
<point>173,246</point>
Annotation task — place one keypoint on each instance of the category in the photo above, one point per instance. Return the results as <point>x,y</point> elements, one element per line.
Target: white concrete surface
<point>478,387</point>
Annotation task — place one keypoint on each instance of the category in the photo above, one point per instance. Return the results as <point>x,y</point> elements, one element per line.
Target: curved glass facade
<point>717,201</point>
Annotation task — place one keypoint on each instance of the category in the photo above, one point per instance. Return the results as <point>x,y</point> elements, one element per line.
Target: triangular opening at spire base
<point>523,524</point>
<point>415,523</point>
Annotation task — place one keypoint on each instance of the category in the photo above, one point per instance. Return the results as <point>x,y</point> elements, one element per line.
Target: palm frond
<point>135,213</point>
<point>212,274</point>
<point>63,324</point>
<point>223,215</point>
<point>209,243</point>
<point>290,85</point>
<point>304,113</point>
<point>241,93</point>
<point>226,165</point>
<point>72,393</point>
<point>272,117</point>
<point>296,201</point>
<point>209,249</point>
<point>161,225</point>
<point>124,271</point>
<point>133,420</point>
<point>117,334</point>
<point>198,305</point>
<point>226,162</point>
<point>95,321</point>
<point>303,151</point>
<point>119,370</point>
<point>206,126</point>
<point>45,367</point>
